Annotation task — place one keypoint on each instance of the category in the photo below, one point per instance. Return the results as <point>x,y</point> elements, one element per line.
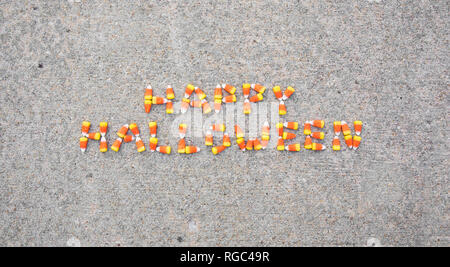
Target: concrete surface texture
<point>383,62</point>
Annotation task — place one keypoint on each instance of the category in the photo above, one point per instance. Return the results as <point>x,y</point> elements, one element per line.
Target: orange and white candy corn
<point>288,136</point>
<point>164,149</point>
<point>307,128</point>
<point>83,143</point>
<point>134,129</point>
<point>247,107</point>
<point>249,145</point>
<point>199,92</point>
<point>229,99</point>
<point>230,89</point>
<point>337,127</point>
<point>169,107</point>
<point>238,131</point>
<point>280,144</point>
<point>257,144</point>
<point>147,105</point>
<point>148,95</point>
<point>158,100</point>
<point>277,92</point>
<point>188,91</point>
<point>192,149</point>
<point>288,92</point>
<point>185,102</point>
<point>246,90</point>
<point>318,123</point>
<point>94,136</point>
<point>208,139</point>
<point>318,135</point>
<point>116,145</point>
<point>217,149</point>
<point>182,129</point>
<point>345,128</point>
<point>293,147</point>
<point>169,93</point>
<point>140,144</point>
<point>226,140</point>
<point>356,141</point>
<point>241,143</point>
<point>308,142</point>
<point>218,92</point>
<point>153,143</point>
<point>85,126</point>
<point>318,146</point>
<point>153,127</point>
<point>291,125</point>
<point>182,146</point>
<point>265,132</point>
<point>103,145</point>
<point>256,98</point>
<point>103,128</point>
<point>123,131</point>
<point>217,105</point>
<point>128,138</point>
<point>336,144</point>
<point>282,108</point>
<point>348,141</point>
<point>358,127</point>
<point>218,127</point>
<point>206,107</point>
<point>280,129</point>
<point>259,88</point>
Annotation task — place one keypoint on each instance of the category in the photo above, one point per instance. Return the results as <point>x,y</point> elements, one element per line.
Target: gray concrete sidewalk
<point>383,62</point>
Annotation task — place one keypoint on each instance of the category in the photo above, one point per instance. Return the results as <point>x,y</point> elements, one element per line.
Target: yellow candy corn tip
<point>336,148</point>
<point>357,138</point>
<point>246,85</point>
<point>103,124</point>
<point>280,148</point>
<point>86,123</point>
<point>337,123</point>
<point>190,86</point>
<point>358,122</point>
<point>290,88</point>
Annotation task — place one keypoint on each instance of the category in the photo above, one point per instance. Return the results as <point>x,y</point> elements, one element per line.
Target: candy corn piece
<point>185,102</point>
<point>257,144</point>
<point>307,128</point>
<point>217,105</point>
<point>229,99</point>
<point>318,123</point>
<point>337,127</point>
<point>169,92</point>
<point>348,141</point>
<point>182,128</point>
<point>123,131</point>
<point>140,144</point>
<point>153,128</point>
<point>157,100</point>
<point>293,147</point>
<point>218,92</point>
<point>83,143</point>
<point>148,105</point>
<point>241,143</point>
<point>288,136</point>
<point>345,128</point>
<point>103,145</point>
<point>356,141</point>
<point>238,131</point>
<point>208,139</point>
<point>196,103</point>
<point>219,127</point>
<point>230,89</point>
<point>217,149</point>
<point>128,138</point>
<point>256,98</point>
<point>192,149</point>
<point>249,145</point>
<point>94,136</point>
<point>116,145</point>
<point>169,107</point>
<point>103,128</point>
<point>280,144</point>
<point>288,92</point>
<point>188,91</point>
<point>318,146</point>
<point>259,88</point>
<point>280,129</point>
<point>308,142</point>
<point>277,92</point>
<point>153,143</point>
<point>264,144</point>
<point>199,92</point>
<point>282,108</point>
<point>134,129</point>
<point>291,125</point>
<point>247,107</point>
<point>148,93</point>
<point>226,140</point>
<point>164,149</point>
<point>318,135</point>
<point>182,146</point>
<point>358,127</point>
<point>246,89</point>
<point>336,144</point>
<point>85,126</point>
<point>206,107</point>
<point>265,132</point>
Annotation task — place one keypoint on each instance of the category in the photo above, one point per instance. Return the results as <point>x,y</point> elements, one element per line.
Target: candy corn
<point>85,126</point>
<point>288,136</point>
<point>226,140</point>
<point>94,136</point>
<point>182,146</point>
<point>358,127</point>
<point>147,105</point>
<point>148,95</point>
<point>336,144</point>
<point>282,108</point>
<point>246,89</point>
<point>318,135</point>
<point>169,93</point>
<point>83,143</point>
<point>229,99</point>
<point>280,144</point>
<point>345,128</point>
<point>257,144</point>
<point>356,141</point>
<point>185,102</point>
<point>116,145</point>
<point>169,107</point>
<point>288,92</point>
<point>230,89</point>
<point>348,141</point>
<point>256,98</point>
<point>277,92</point>
<point>206,107</point>
<point>128,138</point>
<point>291,125</point>
<point>134,129</point>
<point>307,128</point>
<point>238,131</point>
<point>337,127</point>
<point>153,143</point>
<point>140,144</point>
<point>280,129</point>
<point>157,100</point>
<point>220,127</point>
<point>123,131</point>
<point>318,146</point>
<point>265,133</point>
<point>208,139</point>
<point>217,149</point>
<point>318,123</point>
<point>308,142</point>
<point>264,144</point>
<point>164,149</point>
<point>188,91</point>
<point>217,105</point>
<point>192,149</point>
<point>247,107</point>
<point>259,88</point>
<point>293,147</point>
<point>249,145</point>
<point>182,128</point>
<point>103,128</point>
<point>103,145</point>
<point>241,143</point>
<point>199,92</point>
<point>153,128</point>
<point>218,92</point>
